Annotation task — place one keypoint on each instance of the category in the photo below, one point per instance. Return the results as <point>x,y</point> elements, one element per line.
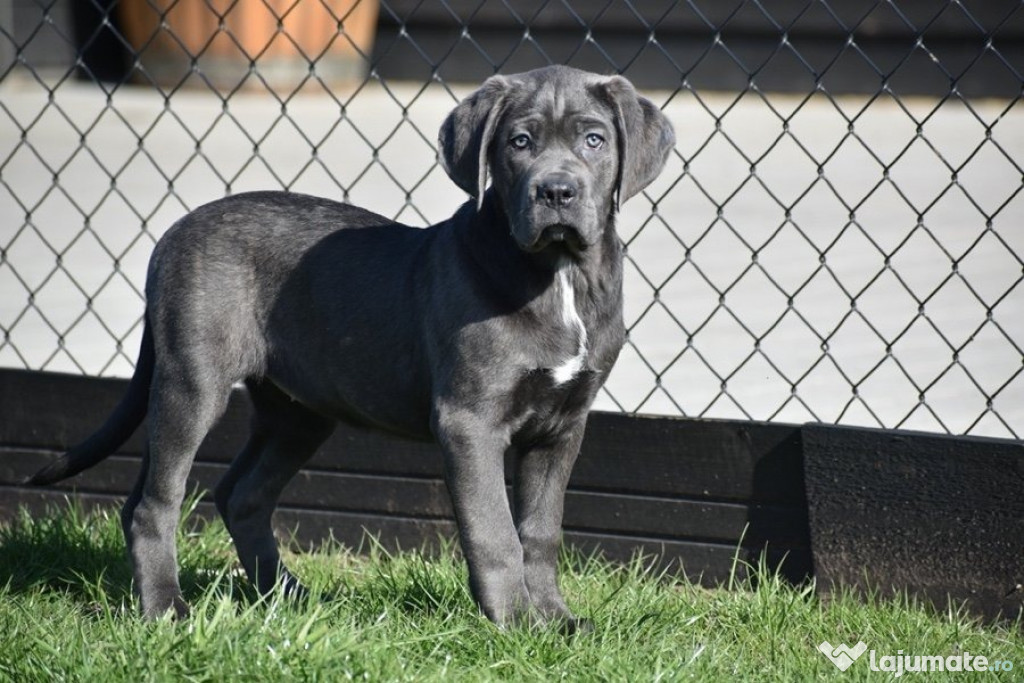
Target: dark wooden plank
<point>303,528</point>
<point>667,518</point>
<point>41,501</point>
<point>54,410</point>
<point>116,475</point>
<point>310,489</point>
<point>700,459</point>
<point>311,528</point>
<point>709,564</point>
<point>685,488</point>
<point>711,459</point>
<point>707,459</point>
<point>939,516</point>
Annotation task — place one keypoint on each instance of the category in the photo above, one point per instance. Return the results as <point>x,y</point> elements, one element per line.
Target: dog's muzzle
<point>559,234</point>
<point>556,208</point>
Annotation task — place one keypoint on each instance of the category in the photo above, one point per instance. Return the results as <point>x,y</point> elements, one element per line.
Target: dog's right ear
<point>465,136</point>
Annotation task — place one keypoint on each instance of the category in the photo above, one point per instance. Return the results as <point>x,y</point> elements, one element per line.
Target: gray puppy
<point>490,332</point>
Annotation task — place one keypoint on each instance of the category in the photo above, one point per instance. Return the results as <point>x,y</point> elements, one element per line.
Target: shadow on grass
<point>78,552</point>
<point>81,553</point>
<point>65,549</point>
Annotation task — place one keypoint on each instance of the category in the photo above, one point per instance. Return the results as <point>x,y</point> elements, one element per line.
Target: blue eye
<point>594,141</point>
<point>520,141</point>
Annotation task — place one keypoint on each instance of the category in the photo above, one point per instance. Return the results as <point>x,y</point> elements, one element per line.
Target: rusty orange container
<point>244,43</point>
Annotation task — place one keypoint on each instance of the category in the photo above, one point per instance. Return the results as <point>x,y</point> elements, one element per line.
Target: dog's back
<point>273,283</point>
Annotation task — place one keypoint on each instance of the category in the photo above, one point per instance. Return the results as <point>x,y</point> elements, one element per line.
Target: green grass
<point>66,614</point>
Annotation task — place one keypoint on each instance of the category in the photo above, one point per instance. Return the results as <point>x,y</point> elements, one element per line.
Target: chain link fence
<point>837,237</point>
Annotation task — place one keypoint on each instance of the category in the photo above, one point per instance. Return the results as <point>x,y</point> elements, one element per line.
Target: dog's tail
<point>121,424</point>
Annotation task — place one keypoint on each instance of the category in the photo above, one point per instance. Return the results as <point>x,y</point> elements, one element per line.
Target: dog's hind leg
<point>285,434</point>
<point>184,405</point>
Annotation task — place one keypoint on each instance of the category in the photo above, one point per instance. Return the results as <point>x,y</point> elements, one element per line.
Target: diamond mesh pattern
<point>806,255</point>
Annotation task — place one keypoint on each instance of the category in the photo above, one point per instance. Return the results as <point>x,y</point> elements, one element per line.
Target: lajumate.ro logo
<point>843,656</point>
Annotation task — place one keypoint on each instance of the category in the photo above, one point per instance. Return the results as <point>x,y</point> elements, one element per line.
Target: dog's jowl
<point>490,332</point>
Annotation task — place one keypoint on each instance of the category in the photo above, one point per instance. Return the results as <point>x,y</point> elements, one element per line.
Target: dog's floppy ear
<point>645,137</point>
<point>465,136</point>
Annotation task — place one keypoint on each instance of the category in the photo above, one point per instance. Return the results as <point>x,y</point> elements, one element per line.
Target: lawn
<point>66,614</point>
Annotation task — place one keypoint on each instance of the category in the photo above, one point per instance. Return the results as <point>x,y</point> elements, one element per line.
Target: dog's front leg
<point>542,474</point>
<point>474,456</point>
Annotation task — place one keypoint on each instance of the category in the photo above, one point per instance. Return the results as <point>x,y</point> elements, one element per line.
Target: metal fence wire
<point>838,235</point>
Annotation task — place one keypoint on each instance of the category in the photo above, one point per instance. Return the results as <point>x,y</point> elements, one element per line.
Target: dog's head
<point>565,148</point>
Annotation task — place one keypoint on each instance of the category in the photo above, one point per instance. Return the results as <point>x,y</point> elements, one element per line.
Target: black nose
<point>558,190</point>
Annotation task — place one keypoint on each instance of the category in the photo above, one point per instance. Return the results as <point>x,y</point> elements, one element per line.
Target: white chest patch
<point>569,368</point>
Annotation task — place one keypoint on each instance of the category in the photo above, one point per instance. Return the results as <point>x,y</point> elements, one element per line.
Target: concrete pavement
<point>800,258</point>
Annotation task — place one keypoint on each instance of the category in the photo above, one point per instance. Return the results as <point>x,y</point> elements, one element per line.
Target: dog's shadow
<point>81,555</point>
<point>64,550</point>
<point>78,554</point>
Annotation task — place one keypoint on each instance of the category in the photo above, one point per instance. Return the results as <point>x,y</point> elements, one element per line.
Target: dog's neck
<point>488,240</point>
<point>577,294</point>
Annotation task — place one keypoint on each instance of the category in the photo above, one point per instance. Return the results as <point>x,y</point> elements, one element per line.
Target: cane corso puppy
<point>490,332</point>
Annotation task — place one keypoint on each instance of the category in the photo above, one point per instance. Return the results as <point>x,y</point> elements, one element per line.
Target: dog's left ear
<point>645,137</point>
<point>465,136</point>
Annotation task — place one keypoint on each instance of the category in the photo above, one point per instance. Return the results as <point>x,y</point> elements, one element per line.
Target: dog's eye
<point>520,141</point>
<point>594,141</point>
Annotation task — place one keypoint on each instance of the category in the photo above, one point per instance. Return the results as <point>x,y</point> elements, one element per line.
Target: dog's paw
<point>179,608</point>
<point>292,588</point>
<point>173,607</point>
<point>577,626</point>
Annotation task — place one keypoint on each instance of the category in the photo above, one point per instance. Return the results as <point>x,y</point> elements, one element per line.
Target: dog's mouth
<point>558,235</point>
